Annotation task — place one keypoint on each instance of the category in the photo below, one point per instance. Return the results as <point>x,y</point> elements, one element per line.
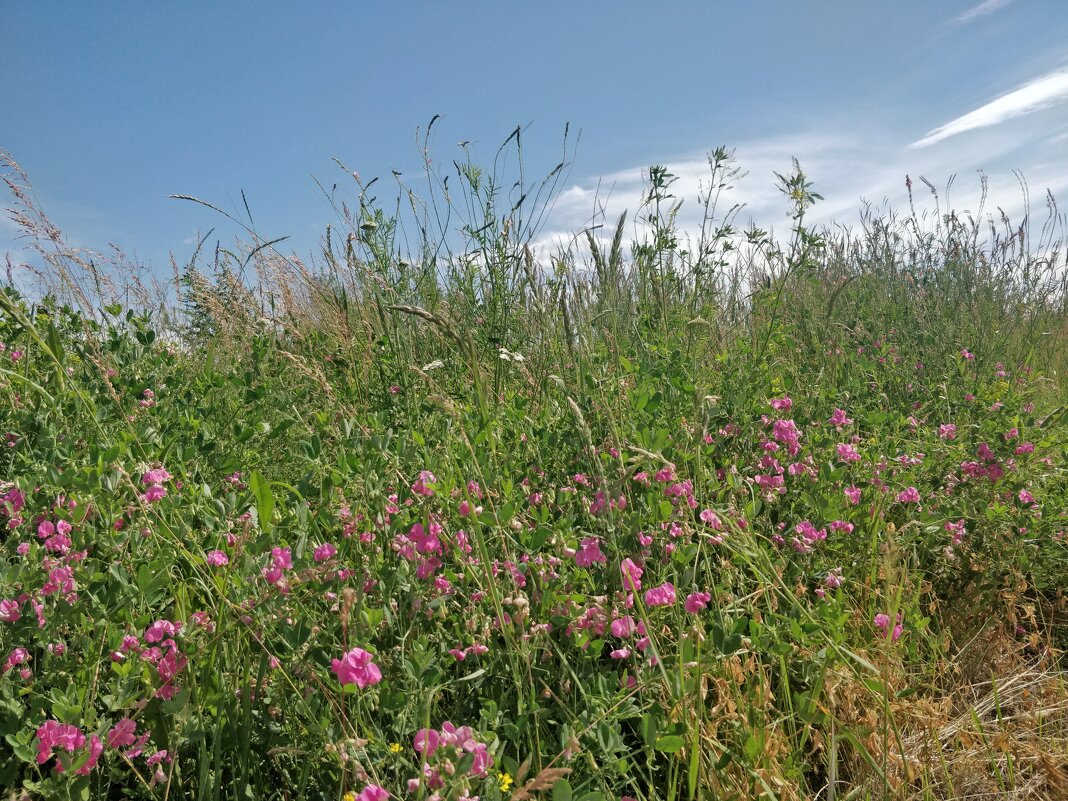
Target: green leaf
<point>261,490</point>
<point>55,344</point>
<point>562,790</point>
<point>670,743</point>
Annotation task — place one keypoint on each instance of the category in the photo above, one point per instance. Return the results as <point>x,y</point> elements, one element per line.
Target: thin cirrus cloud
<point>984,9</point>
<point>1040,93</point>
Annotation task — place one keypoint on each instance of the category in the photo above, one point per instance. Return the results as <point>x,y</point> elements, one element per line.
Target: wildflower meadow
<point>445,514</point>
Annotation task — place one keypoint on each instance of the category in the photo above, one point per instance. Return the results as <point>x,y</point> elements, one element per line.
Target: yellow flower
<point>349,796</point>
<point>505,781</point>
<point>394,748</point>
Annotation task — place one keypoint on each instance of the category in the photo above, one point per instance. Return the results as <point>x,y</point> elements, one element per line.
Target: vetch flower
<point>356,667</point>
<point>631,575</point>
<point>696,602</point>
<point>664,595</point>
<point>882,622</point>
<point>325,551</point>
<point>910,495</point>
<point>372,792</point>
<point>589,553</point>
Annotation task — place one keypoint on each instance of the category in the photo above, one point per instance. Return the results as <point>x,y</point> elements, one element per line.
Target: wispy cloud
<point>1038,94</point>
<point>850,166</point>
<point>984,9</point>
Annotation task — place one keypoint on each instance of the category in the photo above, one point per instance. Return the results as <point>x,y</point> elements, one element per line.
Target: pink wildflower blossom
<point>664,595</point>
<point>909,495</point>
<point>372,792</point>
<point>589,553</point>
<point>847,453</point>
<point>631,575</point>
<point>325,551</point>
<point>356,667</point>
<point>696,601</point>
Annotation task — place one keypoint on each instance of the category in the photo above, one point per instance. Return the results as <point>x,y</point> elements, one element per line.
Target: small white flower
<point>434,365</point>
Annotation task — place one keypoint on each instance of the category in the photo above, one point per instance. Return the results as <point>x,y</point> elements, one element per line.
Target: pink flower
<point>623,627</point>
<point>122,733</point>
<point>426,742</point>
<point>839,418</point>
<point>9,610</point>
<point>356,667</point>
<point>696,601</point>
<point>372,792</point>
<point>957,530</point>
<point>160,630</point>
<point>589,553</point>
<point>154,493</point>
<point>781,404</point>
<point>947,431</point>
<point>324,552</point>
<point>847,453</point>
<point>631,575</point>
<point>834,579</point>
<point>52,734</point>
<point>664,595</point>
<point>882,622</point>
<point>217,558</point>
<point>711,519</point>
<point>96,748</point>
<point>282,558</point>
<point>16,657</point>
<point>910,495</point>
<point>156,758</point>
<point>156,476</point>
<point>420,487</point>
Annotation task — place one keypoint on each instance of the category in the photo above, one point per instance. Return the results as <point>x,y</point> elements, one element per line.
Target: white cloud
<point>985,8</point>
<point>849,166</point>
<point>1038,94</point>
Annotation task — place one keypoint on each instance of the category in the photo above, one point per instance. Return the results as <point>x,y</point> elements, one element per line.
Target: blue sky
<point>113,107</point>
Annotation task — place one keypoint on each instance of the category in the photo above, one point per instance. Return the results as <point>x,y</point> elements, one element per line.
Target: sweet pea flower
<point>631,575</point>
<point>324,552</point>
<point>356,667</point>
<point>882,622</point>
<point>426,742</point>
<point>664,595</point>
<point>910,495</point>
<point>589,553</point>
<point>17,657</point>
<point>697,601</point>
<point>847,453</point>
<point>623,627</point>
<point>122,733</point>
<point>372,792</point>
<point>9,610</point>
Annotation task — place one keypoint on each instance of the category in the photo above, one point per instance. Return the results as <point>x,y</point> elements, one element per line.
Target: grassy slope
<point>480,505</point>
